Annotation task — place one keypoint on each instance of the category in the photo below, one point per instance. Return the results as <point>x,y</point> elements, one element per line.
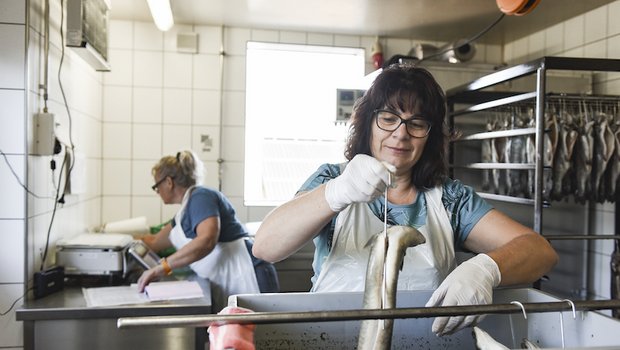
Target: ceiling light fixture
<point>162,14</point>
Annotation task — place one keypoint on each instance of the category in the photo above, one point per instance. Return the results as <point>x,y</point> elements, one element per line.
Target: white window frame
<point>290,126</point>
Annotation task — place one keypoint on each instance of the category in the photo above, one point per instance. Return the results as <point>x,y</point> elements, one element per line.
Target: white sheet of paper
<point>155,291</point>
<point>173,290</point>
<point>110,296</point>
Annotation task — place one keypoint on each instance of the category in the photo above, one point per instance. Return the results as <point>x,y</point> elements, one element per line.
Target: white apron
<point>425,266</point>
<point>228,267</point>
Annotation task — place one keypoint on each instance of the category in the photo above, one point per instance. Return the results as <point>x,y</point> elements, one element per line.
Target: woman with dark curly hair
<point>398,143</point>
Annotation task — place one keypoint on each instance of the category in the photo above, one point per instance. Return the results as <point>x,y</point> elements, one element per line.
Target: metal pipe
<point>540,133</point>
<point>360,314</point>
<point>584,237</point>
<point>499,133</point>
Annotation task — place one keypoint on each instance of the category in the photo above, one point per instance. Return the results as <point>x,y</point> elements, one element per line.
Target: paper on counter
<point>155,291</point>
<point>110,296</point>
<point>173,290</point>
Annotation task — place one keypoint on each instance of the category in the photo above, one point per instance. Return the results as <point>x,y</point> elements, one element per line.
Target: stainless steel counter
<point>63,321</point>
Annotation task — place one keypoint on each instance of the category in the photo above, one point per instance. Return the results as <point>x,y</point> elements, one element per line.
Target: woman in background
<point>205,232</point>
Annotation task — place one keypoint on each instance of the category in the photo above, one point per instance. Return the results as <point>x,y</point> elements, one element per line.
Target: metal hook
<point>562,320</point>
<point>572,305</point>
<point>521,306</point>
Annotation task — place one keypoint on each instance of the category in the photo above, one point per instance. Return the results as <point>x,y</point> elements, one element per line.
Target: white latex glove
<point>364,179</point>
<point>471,283</point>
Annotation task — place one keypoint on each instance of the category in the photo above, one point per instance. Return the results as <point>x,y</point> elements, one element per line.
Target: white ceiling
<point>437,20</point>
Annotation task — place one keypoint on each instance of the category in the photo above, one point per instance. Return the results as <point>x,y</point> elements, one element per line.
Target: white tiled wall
<point>12,167</point>
<point>157,100</point>
<point>25,218</point>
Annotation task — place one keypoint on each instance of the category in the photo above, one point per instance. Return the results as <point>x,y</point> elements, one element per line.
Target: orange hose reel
<point>517,7</point>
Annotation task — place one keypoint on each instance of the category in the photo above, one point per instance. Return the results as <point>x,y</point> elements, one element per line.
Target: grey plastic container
<point>547,330</point>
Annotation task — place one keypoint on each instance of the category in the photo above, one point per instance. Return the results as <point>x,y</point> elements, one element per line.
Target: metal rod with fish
<point>377,334</point>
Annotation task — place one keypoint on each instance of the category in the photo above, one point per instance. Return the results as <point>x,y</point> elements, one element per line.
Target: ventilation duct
<point>87,31</point>
<point>458,51</point>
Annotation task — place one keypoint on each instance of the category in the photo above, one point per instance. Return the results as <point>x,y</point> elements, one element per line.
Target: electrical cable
<point>468,41</point>
<point>4,313</point>
<point>398,58</point>
<point>19,180</point>
<point>64,97</point>
<point>56,202</point>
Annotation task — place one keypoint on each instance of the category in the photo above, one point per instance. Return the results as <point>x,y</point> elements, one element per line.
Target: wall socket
<point>44,134</point>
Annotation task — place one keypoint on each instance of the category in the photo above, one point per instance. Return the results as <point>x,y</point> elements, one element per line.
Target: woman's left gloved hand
<point>471,283</point>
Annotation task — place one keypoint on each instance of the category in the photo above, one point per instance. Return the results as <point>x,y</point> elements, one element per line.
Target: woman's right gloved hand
<point>364,179</point>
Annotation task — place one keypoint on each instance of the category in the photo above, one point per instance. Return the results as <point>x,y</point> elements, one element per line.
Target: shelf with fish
<point>538,135</point>
<point>522,139</point>
<point>581,147</point>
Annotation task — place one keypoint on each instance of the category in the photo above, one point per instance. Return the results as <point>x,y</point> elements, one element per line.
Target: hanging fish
<point>567,137</point>
<point>604,146</point>
<point>518,156</point>
<point>501,145</point>
<point>550,144</point>
<point>583,161</point>
<point>377,334</point>
<point>485,155</point>
<point>613,167</point>
<point>496,145</point>
<point>505,158</point>
<point>530,151</point>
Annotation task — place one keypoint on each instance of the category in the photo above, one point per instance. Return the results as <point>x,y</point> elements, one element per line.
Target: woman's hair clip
<point>178,156</point>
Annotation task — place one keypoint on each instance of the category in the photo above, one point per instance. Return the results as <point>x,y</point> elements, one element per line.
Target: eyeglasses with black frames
<point>155,187</point>
<point>388,120</point>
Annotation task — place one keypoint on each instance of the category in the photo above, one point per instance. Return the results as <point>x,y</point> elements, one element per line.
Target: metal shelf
<point>472,93</point>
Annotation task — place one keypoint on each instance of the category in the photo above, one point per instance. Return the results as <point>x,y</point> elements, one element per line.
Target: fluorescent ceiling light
<point>162,14</point>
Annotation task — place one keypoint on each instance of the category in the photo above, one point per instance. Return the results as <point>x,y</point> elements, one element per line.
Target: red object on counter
<point>232,336</point>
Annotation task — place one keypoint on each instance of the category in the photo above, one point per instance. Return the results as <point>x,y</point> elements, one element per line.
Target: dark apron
<point>266,274</point>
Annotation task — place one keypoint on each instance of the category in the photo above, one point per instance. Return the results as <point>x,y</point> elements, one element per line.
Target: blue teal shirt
<point>463,206</point>
<point>204,203</point>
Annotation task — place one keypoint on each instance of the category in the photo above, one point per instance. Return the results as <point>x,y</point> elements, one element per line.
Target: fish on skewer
<point>567,137</point>
<point>583,161</point>
<point>550,144</point>
<point>500,145</point>
<point>612,172</point>
<point>504,157</point>
<point>530,153</point>
<point>486,157</point>
<point>496,146</point>
<point>377,334</point>
<point>604,147</point>
<point>517,156</point>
